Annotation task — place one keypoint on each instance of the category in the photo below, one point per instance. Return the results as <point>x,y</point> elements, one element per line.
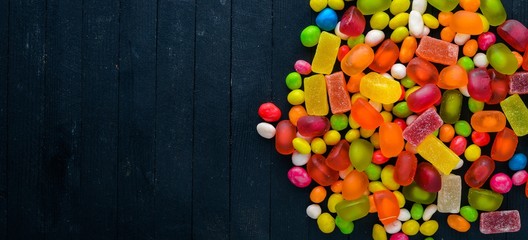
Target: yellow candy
<point>352,135</point>
<point>353,124</point>
<point>332,137</point>
<point>336,4</point>
<point>472,152</point>
<point>356,96</point>
<point>399,6</point>
<point>379,20</point>
<point>318,146</point>
<point>333,200</point>
<point>375,140</point>
<point>374,83</point>
<point>315,99</point>
<point>430,21</point>
<point>388,107</point>
<point>378,232</point>
<point>400,20</point>
<point>400,198</point>
<point>387,116</point>
<point>399,34</point>
<point>318,5</point>
<point>326,53</point>
<point>387,177</point>
<point>485,23</point>
<point>326,223</point>
<point>376,186</point>
<point>429,228</point>
<point>438,154</point>
<point>296,97</point>
<point>301,145</point>
<point>366,133</point>
<point>411,227</point>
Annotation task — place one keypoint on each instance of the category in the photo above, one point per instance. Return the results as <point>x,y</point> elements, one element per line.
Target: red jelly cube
<point>500,222</point>
<point>479,84</point>
<point>424,125</point>
<point>514,33</point>
<point>479,172</point>
<point>424,98</point>
<point>519,83</point>
<point>320,172</point>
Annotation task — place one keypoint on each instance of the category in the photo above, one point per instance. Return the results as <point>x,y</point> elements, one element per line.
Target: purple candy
<point>424,125</point>
<point>500,222</point>
<point>519,83</point>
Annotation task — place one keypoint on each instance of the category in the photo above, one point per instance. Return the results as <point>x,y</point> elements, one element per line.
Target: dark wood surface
<point>136,120</point>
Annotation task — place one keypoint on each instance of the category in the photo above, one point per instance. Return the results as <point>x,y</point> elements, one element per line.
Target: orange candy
<point>422,71</point>
<point>466,22</point>
<point>519,58</point>
<point>437,51</point>
<point>387,206</point>
<point>357,59</point>
<point>458,223</point>
<point>391,139</point>
<point>355,185</point>
<point>365,114</point>
<point>470,48</point>
<point>504,145</point>
<point>372,208</point>
<point>444,18</point>
<point>447,133</point>
<point>470,5</point>
<point>447,34</point>
<point>385,56</point>
<point>410,148</point>
<point>296,112</point>
<point>318,194</point>
<point>452,77</point>
<point>354,81</point>
<point>337,186</point>
<point>488,121</point>
<point>408,49</point>
<point>337,93</point>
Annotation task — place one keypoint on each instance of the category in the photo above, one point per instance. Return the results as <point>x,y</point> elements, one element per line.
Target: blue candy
<point>517,162</point>
<point>327,19</point>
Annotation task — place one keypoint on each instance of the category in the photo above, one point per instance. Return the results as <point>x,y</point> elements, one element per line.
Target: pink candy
<point>424,125</point>
<point>500,222</point>
<point>519,178</point>
<point>501,183</point>
<point>485,40</point>
<point>399,236</point>
<point>519,83</point>
<point>299,177</point>
<point>303,67</point>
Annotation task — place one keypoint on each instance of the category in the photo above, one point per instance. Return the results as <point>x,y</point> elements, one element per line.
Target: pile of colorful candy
<point>403,134</point>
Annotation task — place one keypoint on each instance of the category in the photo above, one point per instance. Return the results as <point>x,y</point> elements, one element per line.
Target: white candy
<point>339,33</point>
<point>416,24</point>
<point>410,119</point>
<point>425,31</point>
<point>266,130</point>
<point>387,75</point>
<point>393,227</point>
<point>461,38</point>
<point>419,6</point>
<point>404,215</point>
<point>459,164</point>
<point>313,211</point>
<point>374,37</point>
<point>464,91</point>
<point>429,211</point>
<point>398,71</point>
<point>299,159</point>
<point>378,106</point>
<point>480,60</point>
<point>309,139</point>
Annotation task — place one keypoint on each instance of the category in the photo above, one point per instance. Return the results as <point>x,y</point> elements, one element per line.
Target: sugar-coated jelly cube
<point>438,154</point>
<point>519,83</point>
<point>428,122</point>
<point>500,222</point>
<point>517,114</point>
<point>437,51</point>
<point>315,98</point>
<point>449,197</point>
<point>337,93</point>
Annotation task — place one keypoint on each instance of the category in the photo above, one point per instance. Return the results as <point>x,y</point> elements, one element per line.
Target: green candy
<point>502,59</point>
<point>294,80</point>
<point>451,106</point>
<point>494,11</point>
<point>310,36</point>
<point>360,153</point>
<point>344,226</point>
<point>369,7</point>
<point>474,105</point>
<point>373,172</point>
<point>399,34</point>
<point>339,121</point>
<point>466,63</point>
<point>415,193</point>
<point>444,5</point>
<point>429,238</point>
<point>436,132</point>
<point>401,110</point>
<point>407,82</point>
<point>484,199</point>
<point>469,213</point>
<point>353,41</point>
<point>417,211</point>
<point>353,210</point>
<point>463,128</point>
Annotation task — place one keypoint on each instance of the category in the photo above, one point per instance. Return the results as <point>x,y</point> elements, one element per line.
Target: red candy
<point>427,177</point>
<point>424,125</point>
<point>485,40</point>
<point>320,172</point>
<point>500,86</point>
<point>353,22</point>
<point>269,112</point>
<point>285,133</point>
<point>405,168</point>
<point>514,33</point>
<point>424,98</point>
<point>378,158</point>
<point>479,171</point>
<point>343,50</point>
<point>479,84</point>
<point>480,139</point>
<point>338,158</point>
<point>313,126</point>
<point>504,145</point>
<point>458,145</point>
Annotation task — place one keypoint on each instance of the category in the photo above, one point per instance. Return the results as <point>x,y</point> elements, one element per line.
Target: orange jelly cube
<point>437,51</point>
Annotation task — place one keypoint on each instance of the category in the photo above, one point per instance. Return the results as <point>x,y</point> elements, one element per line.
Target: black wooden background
<point>135,119</point>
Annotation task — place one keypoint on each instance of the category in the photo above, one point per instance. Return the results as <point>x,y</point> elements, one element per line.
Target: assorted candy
<point>383,130</point>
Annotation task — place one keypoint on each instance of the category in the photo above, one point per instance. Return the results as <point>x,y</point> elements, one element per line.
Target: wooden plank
<point>137,129</point>
<point>174,118</point>
<point>62,120</point>
<point>250,86</point>
<point>212,120</point>
<point>99,142</point>
<point>4,63</point>
<point>25,95</point>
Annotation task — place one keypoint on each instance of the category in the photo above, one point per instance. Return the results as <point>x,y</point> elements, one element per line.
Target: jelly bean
<point>296,97</point>
<point>373,83</point>
<point>352,22</point>
<point>484,200</point>
<point>366,133</point>
<point>318,5</point>
<point>326,19</point>
<point>411,227</point>
<point>429,211</point>
<point>301,145</point>
<point>385,56</point>
<point>336,4</point>
<point>353,41</point>
<point>326,223</point>
<point>318,146</point>
<point>502,59</point>
<point>350,64</point>
<point>360,153</point>
<point>408,49</point>
<point>463,128</point>
<point>472,152</point>
<point>461,38</point>
<point>318,194</point>
<point>374,37</point>
<point>339,121</point>
<point>393,227</point>
<point>299,159</point>
<point>417,211</point>
<point>466,22</point>
<point>519,178</point>
<point>294,79</point>
<point>424,98</point>
<point>387,205</point>
<point>444,5</point>
<point>475,105</point>
<point>470,5</point>
<point>405,168</point>
<point>427,177</point>
<point>466,63</point>
<point>399,6</point>
<point>415,193</point>
<point>313,211</point>
<point>445,18</point>
<point>352,134</point>
<point>303,67</point>
<point>353,210</point>
<point>480,60</point>
<point>269,112</point>
<point>342,52</point>
<point>345,227</point>
<point>504,145</point>
<point>459,165</point>
<point>333,200</point>
<point>375,140</point>
<point>494,11</point>
<point>400,198</point>
<point>400,20</point>
<point>480,139</point>
<point>310,36</point>
<point>485,40</point>
<point>447,34</point>
<point>319,172</point>
<point>469,213</point>
<point>470,48</point>
<point>299,177</point>
<point>416,24</point>
<point>501,183</point>
<point>458,223</point>
<point>376,186</point>
<point>373,172</point>
<point>337,186</point>
<point>419,5</point>
<point>422,71</point>
<point>404,216</point>
<point>451,106</point>
<point>430,21</point>
<point>399,236</point>
<point>447,133</point>
<point>516,112</point>
<point>378,232</point>
<point>285,133</point>
<point>364,114</point>
<point>295,113</point>
<point>338,158</point>
<point>369,7</point>
<point>354,185</point>
<point>266,130</point>
<point>517,162</point>
<point>429,228</point>
<point>479,171</point>
<point>387,177</point>
<point>398,71</point>
<point>379,20</point>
